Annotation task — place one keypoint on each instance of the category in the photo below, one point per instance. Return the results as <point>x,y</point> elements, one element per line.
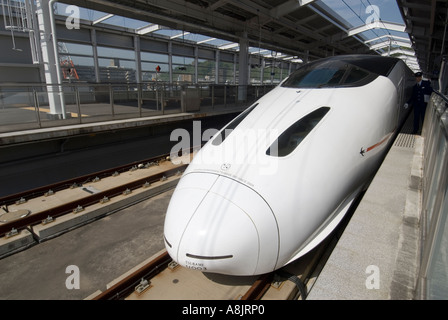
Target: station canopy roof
<point>294,30</point>
<point>426,22</point>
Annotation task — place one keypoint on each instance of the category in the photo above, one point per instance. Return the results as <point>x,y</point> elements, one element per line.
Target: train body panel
<point>278,179</point>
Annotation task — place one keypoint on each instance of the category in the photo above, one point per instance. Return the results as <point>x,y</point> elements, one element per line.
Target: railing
<point>433,275</point>
<point>28,106</point>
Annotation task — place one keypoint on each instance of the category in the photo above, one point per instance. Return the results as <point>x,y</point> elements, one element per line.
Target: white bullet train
<point>277,180</point>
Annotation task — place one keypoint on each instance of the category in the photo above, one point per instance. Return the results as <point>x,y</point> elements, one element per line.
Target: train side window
<point>288,141</point>
<point>225,132</point>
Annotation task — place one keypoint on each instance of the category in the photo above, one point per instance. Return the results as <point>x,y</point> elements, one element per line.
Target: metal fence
<point>433,276</point>
<point>28,106</point>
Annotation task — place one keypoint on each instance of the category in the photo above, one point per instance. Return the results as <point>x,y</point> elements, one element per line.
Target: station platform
<point>21,136</point>
<point>377,256</point>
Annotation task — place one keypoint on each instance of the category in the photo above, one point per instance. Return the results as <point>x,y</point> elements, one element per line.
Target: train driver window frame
<point>291,138</point>
<point>328,74</point>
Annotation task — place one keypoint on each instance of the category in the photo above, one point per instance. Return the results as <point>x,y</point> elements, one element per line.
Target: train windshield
<point>288,141</point>
<point>329,73</point>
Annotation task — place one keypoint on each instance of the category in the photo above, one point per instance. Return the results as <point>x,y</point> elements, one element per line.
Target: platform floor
<point>59,129</point>
<point>377,256</point>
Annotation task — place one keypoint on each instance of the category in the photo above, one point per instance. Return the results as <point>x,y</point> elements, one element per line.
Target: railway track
<point>77,201</point>
<point>160,278</point>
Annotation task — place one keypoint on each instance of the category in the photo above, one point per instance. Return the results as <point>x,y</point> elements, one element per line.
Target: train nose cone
<point>220,238</point>
<point>215,224</point>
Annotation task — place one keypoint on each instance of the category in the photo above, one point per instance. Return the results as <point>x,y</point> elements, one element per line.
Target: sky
<point>354,11</point>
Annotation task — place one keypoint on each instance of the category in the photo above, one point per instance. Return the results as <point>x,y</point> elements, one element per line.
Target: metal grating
<point>405,140</point>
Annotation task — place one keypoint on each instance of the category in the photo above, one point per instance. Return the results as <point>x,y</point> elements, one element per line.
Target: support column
<point>50,57</point>
<point>138,60</point>
<point>170,62</point>
<point>196,64</point>
<point>217,58</point>
<point>306,57</point>
<point>243,68</point>
<point>95,55</point>
<point>263,64</point>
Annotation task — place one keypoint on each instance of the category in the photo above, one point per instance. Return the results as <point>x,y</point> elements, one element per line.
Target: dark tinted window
<point>288,141</point>
<point>328,73</point>
<point>224,133</point>
<point>372,63</point>
<point>355,75</point>
<point>317,75</point>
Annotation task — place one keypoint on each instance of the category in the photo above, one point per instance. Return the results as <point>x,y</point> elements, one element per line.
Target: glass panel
<point>206,70</point>
<point>330,73</point>
<point>183,69</point>
<point>75,48</point>
<point>255,75</point>
<point>116,53</point>
<point>154,57</point>
<point>311,77</point>
<point>17,105</point>
<point>437,285</point>
<point>356,75</point>
<point>288,141</point>
<point>226,72</point>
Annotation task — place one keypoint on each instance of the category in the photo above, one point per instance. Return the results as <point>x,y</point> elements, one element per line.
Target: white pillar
<point>50,57</point>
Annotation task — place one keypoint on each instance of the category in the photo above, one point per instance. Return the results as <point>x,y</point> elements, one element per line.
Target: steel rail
<point>123,288</point>
<point>259,288</point>
<point>40,191</point>
<point>68,207</point>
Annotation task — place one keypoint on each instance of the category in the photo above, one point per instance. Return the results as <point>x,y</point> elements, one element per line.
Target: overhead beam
<point>218,4</point>
<point>296,28</point>
<point>400,51</point>
<point>147,29</point>
<point>288,7</point>
<point>229,46</point>
<point>107,16</point>
<point>184,33</point>
<point>377,25</point>
<point>418,6</point>
<point>205,40</point>
<point>388,43</point>
<point>387,36</point>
